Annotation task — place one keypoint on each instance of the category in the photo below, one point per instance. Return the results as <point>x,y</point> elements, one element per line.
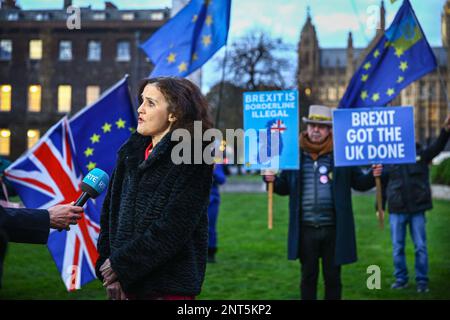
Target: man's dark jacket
<point>406,187</point>
<point>24,226</point>
<point>154,226</point>
<point>343,179</point>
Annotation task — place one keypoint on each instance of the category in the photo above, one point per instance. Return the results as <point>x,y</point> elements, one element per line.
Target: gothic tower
<point>308,58</point>
<point>350,61</point>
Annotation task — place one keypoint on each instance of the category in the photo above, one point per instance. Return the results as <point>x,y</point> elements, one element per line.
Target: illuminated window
<point>157,16</point>
<point>94,50</point>
<point>92,94</point>
<point>332,93</point>
<point>65,50</point>
<point>35,49</point>
<point>99,16</point>
<point>5,49</point>
<point>5,97</point>
<point>64,98</point>
<point>5,136</point>
<point>128,16</point>
<point>34,98</point>
<point>123,51</point>
<point>33,137</point>
<point>341,91</point>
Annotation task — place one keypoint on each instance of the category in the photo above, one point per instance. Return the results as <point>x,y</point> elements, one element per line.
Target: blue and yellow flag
<point>402,56</point>
<point>190,38</point>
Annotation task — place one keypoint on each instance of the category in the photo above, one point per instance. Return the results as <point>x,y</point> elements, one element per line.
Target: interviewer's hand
<point>377,170</point>
<point>114,292</point>
<point>269,177</point>
<point>447,123</point>
<point>63,215</point>
<point>109,276</point>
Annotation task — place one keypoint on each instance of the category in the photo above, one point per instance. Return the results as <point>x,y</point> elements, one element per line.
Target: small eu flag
<point>189,39</point>
<point>100,129</point>
<point>401,56</point>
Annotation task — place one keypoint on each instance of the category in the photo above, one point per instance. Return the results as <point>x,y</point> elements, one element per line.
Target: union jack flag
<point>48,175</point>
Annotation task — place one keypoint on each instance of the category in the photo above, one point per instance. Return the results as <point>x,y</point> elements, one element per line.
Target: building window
<point>94,50</point>
<point>64,98</point>
<point>33,137</point>
<point>5,136</point>
<point>332,94</point>
<point>5,49</point>
<point>341,91</point>
<point>35,49</point>
<point>5,97</point>
<point>123,51</point>
<point>34,98</point>
<point>42,16</point>
<point>157,16</point>
<point>128,16</point>
<point>99,16</point>
<point>65,50</point>
<point>13,16</point>
<point>92,94</point>
<point>323,94</point>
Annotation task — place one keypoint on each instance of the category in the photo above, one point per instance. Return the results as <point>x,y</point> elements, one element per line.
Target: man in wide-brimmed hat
<point>321,222</point>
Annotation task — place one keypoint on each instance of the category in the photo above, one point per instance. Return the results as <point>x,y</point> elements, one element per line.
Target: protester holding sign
<point>408,194</point>
<point>321,224</point>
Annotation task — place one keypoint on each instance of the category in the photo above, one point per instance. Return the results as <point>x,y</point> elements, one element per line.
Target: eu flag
<point>100,129</point>
<point>189,39</point>
<point>401,56</point>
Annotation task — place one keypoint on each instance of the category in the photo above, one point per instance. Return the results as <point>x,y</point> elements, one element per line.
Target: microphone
<point>94,183</point>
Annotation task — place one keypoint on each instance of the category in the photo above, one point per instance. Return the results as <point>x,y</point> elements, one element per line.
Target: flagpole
<point>221,87</point>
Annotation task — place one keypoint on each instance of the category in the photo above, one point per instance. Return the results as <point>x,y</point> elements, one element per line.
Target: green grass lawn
<point>252,260</point>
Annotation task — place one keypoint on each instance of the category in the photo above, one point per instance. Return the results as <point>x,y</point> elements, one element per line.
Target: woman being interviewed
<point>154,228</point>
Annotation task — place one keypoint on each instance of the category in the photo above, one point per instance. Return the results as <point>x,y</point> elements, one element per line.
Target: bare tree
<point>256,61</point>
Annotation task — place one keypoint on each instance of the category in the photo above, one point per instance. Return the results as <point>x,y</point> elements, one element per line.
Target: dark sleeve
<point>362,181</point>
<point>165,237</point>
<point>103,238</point>
<point>25,225</point>
<point>436,147</point>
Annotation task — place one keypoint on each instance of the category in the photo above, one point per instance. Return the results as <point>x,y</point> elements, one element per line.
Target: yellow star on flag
<point>364,77</point>
<point>194,56</point>
<point>209,20</point>
<point>182,67</point>
<point>88,152</point>
<point>206,40</point>
<point>120,123</point>
<point>194,18</point>
<point>364,95</point>
<point>91,165</point>
<point>132,130</point>
<point>171,57</point>
<point>376,53</point>
<point>95,138</point>
<point>400,79</point>
<point>403,65</point>
<point>398,52</point>
<point>367,66</point>
<point>390,92</point>
<point>376,97</point>
<point>106,127</point>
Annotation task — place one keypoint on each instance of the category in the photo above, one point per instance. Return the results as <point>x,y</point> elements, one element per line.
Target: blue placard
<point>373,135</point>
<point>271,130</point>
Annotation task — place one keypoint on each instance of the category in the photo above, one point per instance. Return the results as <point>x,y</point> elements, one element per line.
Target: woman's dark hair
<point>185,101</point>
